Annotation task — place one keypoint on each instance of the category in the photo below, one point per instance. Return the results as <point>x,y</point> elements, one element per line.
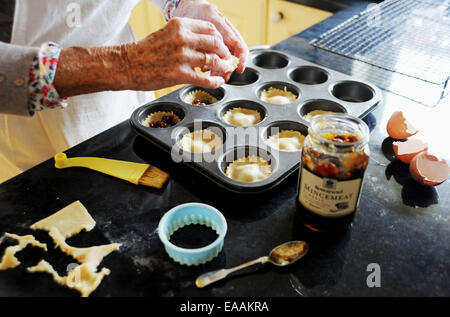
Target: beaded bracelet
<point>42,93</point>
<point>169,8</point>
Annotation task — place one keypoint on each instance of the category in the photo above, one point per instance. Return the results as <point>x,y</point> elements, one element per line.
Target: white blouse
<point>25,142</point>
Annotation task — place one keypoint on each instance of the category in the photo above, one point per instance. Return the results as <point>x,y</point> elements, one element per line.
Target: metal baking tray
<point>317,87</point>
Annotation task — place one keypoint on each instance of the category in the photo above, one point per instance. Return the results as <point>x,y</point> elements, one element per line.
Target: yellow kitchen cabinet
<point>145,19</point>
<point>286,19</point>
<point>248,16</point>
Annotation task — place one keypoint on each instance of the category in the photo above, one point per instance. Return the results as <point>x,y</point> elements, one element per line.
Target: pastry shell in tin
<point>249,169</point>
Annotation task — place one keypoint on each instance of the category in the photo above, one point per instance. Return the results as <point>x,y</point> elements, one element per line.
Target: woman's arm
<point>83,70</point>
<point>165,58</point>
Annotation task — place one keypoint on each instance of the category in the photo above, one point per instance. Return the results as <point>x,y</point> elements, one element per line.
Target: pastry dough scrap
<point>63,224</point>
<point>199,98</point>
<point>249,169</point>
<point>9,259</point>
<point>69,221</point>
<point>91,256</point>
<point>82,278</point>
<point>310,115</point>
<point>277,96</point>
<point>232,64</point>
<point>201,141</point>
<point>242,117</point>
<point>287,140</point>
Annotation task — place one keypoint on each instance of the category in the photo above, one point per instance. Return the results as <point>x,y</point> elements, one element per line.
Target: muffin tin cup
<point>276,127</point>
<point>278,85</point>
<point>218,93</point>
<point>309,75</point>
<point>248,77</point>
<point>317,88</point>
<point>179,154</point>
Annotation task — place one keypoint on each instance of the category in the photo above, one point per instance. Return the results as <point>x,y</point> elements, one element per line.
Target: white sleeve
<point>160,4</point>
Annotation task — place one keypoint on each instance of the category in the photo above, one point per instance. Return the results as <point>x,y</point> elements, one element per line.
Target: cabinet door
<point>248,16</point>
<point>286,19</point>
<point>145,19</point>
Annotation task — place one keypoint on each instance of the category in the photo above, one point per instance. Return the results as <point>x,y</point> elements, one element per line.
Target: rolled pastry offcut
<point>91,256</point>
<point>201,141</point>
<point>232,63</point>
<point>249,169</point>
<point>286,140</point>
<point>69,221</point>
<point>242,117</point>
<point>9,260</point>
<point>63,224</point>
<point>277,96</point>
<point>82,278</point>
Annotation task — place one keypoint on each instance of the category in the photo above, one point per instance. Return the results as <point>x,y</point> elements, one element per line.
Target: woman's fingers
<point>209,44</point>
<point>207,62</point>
<point>232,39</point>
<point>205,11</point>
<point>216,36</point>
<point>240,48</point>
<point>201,35</point>
<point>203,27</point>
<point>200,79</point>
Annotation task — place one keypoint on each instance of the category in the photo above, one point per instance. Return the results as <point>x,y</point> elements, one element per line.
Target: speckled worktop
<point>401,226</point>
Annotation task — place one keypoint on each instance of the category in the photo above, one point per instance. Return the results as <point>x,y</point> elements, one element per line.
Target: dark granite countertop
<point>401,226</point>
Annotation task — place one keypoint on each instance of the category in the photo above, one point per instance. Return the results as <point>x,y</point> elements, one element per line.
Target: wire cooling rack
<point>406,37</point>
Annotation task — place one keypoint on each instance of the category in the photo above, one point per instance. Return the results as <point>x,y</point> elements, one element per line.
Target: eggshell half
<point>399,128</point>
<point>406,150</point>
<point>428,169</point>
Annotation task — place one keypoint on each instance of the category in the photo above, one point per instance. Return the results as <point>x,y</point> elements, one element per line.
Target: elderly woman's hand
<point>169,56</point>
<point>203,10</point>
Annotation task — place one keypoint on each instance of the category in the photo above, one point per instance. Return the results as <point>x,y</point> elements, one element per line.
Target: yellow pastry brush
<point>136,173</point>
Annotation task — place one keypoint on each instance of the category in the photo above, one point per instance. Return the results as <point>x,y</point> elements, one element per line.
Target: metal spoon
<point>284,254</point>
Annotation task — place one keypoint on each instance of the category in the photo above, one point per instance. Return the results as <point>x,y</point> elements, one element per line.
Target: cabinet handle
<point>276,17</point>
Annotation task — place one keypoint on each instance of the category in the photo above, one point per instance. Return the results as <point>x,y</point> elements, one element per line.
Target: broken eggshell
<point>428,169</point>
<point>407,150</point>
<point>399,128</point>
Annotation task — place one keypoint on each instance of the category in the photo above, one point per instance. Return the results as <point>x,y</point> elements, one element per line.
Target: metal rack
<point>407,37</point>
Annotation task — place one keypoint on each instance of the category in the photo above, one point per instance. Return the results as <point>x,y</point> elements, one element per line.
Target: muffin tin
<point>317,88</point>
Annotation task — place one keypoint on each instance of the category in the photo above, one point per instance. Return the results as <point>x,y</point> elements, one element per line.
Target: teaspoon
<point>282,255</point>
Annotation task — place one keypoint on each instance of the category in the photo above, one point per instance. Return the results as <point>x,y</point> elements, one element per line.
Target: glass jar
<point>334,159</point>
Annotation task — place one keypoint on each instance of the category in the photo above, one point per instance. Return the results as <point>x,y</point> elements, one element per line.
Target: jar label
<point>328,197</point>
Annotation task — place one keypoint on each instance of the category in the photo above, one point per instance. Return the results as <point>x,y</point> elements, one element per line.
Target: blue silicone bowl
<point>187,214</point>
